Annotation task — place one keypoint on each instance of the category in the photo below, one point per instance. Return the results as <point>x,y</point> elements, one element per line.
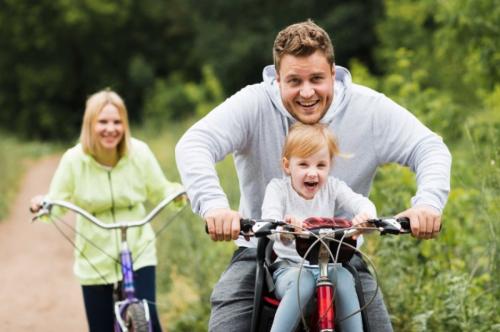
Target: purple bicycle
<point>131,313</point>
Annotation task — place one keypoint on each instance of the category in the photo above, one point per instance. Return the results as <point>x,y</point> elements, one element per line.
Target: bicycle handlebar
<point>264,227</point>
<point>48,204</point>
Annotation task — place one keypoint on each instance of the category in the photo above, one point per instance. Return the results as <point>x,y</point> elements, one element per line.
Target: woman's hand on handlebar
<point>36,203</point>
<point>223,224</point>
<point>425,221</point>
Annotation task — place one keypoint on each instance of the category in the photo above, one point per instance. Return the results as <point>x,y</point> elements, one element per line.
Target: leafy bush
<point>174,99</point>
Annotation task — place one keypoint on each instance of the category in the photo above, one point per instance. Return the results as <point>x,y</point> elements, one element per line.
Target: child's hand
<point>294,222</point>
<point>288,238</point>
<point>360,221</point>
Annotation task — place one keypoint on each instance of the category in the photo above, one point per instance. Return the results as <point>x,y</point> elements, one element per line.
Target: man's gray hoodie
<point>371,130</point>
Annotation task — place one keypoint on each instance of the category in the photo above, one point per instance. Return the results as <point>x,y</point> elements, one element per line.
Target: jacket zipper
<point>117,237</point>
<point>112,197</point>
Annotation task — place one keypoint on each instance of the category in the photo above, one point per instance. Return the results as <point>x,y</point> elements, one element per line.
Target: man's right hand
<point>223,224</point>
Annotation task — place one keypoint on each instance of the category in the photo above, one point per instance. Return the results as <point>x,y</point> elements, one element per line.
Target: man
<point>303,85</point>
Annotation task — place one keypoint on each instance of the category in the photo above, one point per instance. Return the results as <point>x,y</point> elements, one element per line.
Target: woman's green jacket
<point>110,194</point>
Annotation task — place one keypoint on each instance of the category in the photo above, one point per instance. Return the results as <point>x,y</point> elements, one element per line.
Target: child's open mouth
<point>311,184</point>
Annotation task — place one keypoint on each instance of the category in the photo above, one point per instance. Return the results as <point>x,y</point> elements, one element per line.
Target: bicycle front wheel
<point>135,318</point>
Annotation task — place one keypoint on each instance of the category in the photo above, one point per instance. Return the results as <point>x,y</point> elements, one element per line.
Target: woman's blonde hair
<point>94,105</point>
<point>303,140</point>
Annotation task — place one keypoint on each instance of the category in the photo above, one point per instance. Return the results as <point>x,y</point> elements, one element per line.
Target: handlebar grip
<point>245,225</point>
<point>405,223</point>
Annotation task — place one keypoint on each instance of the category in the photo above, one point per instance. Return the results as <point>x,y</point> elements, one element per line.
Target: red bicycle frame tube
<point>326,314</point>
<point>324,291</point>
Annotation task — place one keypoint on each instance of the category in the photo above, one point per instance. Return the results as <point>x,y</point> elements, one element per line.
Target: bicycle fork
<point>325,293</point>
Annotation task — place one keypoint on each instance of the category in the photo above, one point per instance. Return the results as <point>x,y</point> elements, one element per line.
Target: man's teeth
<point>308,104</point>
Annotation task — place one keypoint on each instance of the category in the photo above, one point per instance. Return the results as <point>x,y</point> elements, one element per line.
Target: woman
<point>110,175</point>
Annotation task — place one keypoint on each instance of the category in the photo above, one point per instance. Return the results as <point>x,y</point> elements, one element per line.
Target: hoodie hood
<point>341,93</point>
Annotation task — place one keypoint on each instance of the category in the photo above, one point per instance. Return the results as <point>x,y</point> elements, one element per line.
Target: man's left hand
<point>425,221</point>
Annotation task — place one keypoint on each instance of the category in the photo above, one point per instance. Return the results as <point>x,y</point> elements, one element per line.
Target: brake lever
<point>265,227</point>
<point>42,212</point>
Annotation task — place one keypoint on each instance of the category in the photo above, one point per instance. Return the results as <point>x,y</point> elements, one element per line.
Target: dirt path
<point>37,287</point>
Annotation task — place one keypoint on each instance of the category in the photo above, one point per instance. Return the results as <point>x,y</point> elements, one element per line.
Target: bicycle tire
<point>135,318</point>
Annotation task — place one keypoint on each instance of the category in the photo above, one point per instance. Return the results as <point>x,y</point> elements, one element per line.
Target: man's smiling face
<point>306,86</point>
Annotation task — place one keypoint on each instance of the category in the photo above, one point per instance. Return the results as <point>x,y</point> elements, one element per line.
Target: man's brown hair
<point>302,39</point>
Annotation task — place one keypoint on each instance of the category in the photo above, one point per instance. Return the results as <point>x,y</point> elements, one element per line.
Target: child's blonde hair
<point>304,140</point>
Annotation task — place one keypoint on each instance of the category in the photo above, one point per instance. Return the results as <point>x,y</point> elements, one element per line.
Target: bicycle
<point>323,240</point>
<point>131,313</point>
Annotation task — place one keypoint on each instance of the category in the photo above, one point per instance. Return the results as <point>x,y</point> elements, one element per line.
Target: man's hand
<point>223,224</point>
<point>425,221</point>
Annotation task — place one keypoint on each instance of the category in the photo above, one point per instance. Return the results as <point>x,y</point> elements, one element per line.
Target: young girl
<point>309,191</point>
<point>111,175</point>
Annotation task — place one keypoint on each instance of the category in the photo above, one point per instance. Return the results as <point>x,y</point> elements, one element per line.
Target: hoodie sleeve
<point>401,138</point>
<point>224,130</point>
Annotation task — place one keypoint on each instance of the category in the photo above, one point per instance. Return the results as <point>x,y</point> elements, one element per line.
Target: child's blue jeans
<point>289,312</point>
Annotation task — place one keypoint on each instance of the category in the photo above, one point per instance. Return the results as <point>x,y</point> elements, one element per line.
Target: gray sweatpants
<point>232,297</point>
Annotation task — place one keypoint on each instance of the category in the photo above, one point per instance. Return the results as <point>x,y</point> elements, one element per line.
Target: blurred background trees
<point>55,53</point>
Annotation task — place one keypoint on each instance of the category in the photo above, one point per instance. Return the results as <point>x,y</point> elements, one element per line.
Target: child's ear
<point>286,165</point>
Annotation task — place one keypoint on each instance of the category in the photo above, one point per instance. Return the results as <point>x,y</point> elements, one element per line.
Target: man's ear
<point>333,71</point>
<point>285,163</point>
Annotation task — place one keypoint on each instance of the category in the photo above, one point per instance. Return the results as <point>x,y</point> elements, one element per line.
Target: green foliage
<point>174,98</point>
<point>434,47</point>
<point>57,52</point>
<point>441,62</point>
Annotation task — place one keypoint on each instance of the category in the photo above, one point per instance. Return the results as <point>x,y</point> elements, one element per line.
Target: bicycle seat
<point>314,224</point>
